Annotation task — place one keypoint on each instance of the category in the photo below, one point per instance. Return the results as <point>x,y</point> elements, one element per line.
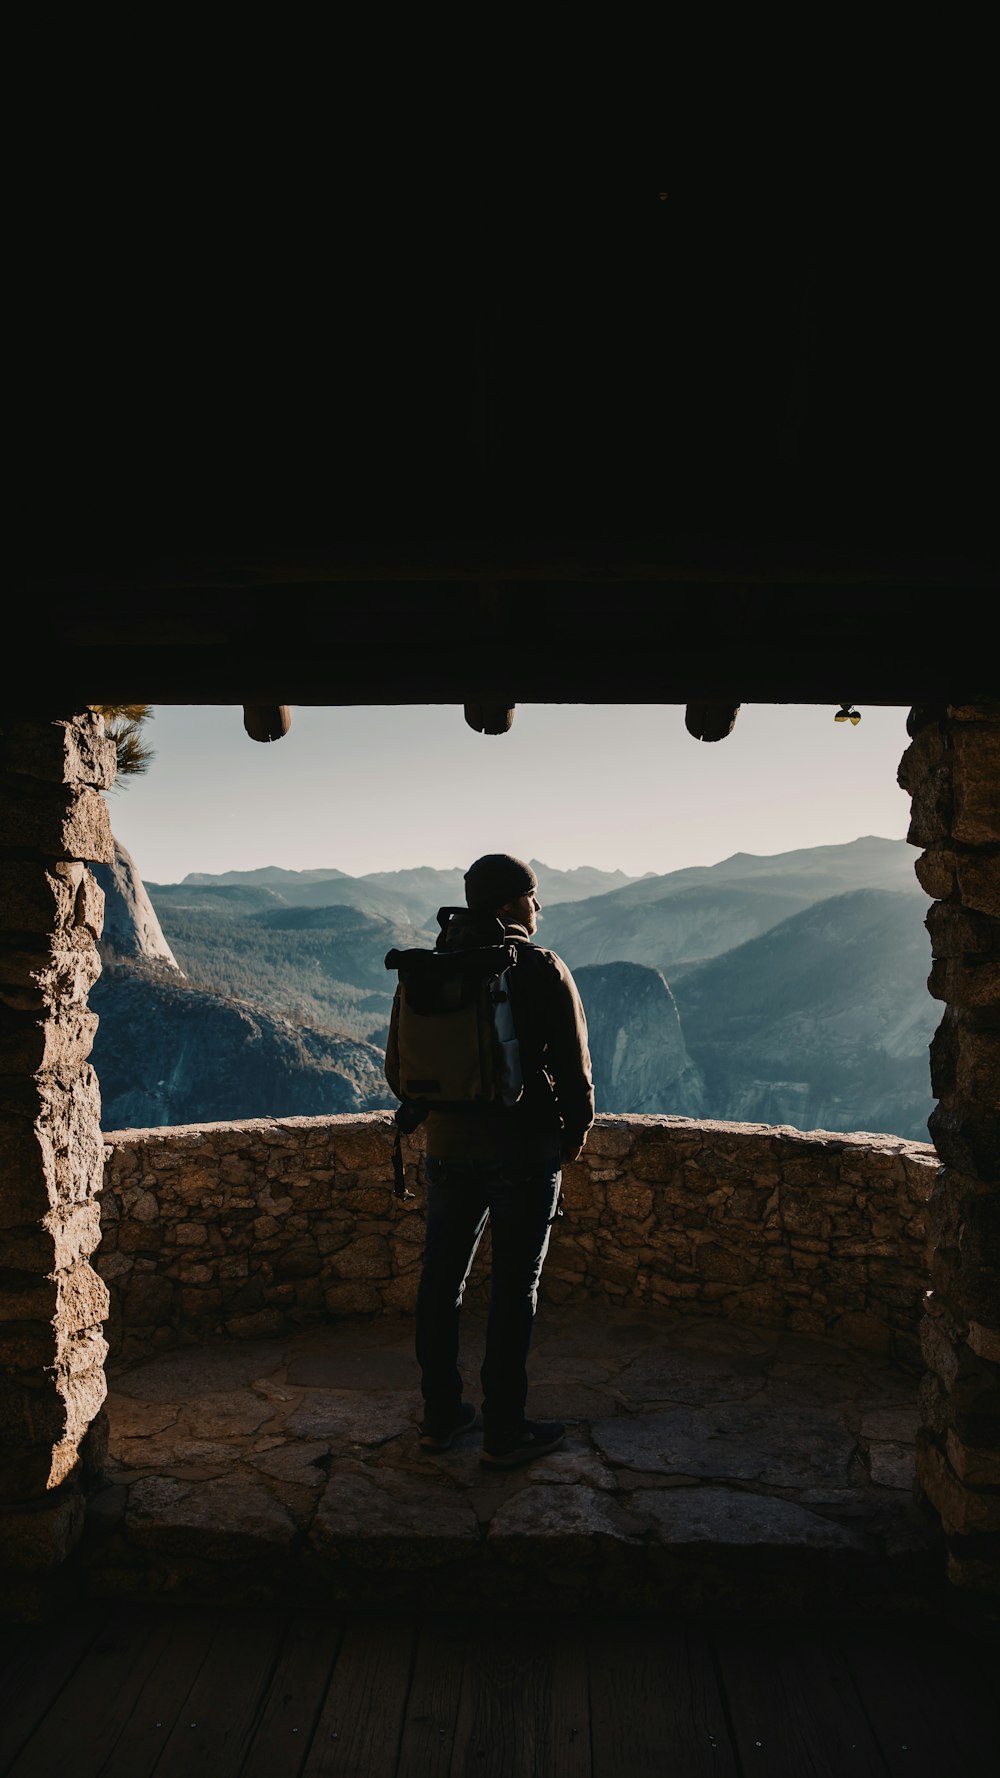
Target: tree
<point>123,724</point>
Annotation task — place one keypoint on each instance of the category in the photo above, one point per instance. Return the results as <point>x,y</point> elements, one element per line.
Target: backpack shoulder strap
<point>407,1117</point>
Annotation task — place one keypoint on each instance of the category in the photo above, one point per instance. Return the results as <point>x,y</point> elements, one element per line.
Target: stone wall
<point>247,1228</point>
<point>952,770</point>
<point>53,819</point>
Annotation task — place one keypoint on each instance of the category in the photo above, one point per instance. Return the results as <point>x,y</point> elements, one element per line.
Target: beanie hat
<point>496,879</point>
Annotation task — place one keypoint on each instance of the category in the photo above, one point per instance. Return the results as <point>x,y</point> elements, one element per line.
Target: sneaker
<point>535,1439</point>
<point>435,1437</point>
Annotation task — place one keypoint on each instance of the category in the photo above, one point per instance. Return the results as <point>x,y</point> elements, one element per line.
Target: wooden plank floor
<point>130,1691</point>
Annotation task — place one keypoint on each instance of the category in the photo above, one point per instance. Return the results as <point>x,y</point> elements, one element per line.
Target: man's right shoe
<point>535,1439</point>
<point>439,1435</point>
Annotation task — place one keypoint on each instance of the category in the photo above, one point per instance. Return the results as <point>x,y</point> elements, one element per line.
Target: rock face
<point>131,926</point>
<point>637,1047</point>
<point>169,1052</point>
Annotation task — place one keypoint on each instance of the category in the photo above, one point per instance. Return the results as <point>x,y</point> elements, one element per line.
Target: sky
<point>620,786</point>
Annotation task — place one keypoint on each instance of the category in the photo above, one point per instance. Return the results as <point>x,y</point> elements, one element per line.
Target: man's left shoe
<point>435,1437</point>
<point>535,1439</point>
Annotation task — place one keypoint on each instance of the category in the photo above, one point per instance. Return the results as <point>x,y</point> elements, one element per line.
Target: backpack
<point>455,1030</point>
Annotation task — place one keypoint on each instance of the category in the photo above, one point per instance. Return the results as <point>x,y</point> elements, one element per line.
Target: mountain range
<point>410,895</point>
<point>786,989</point>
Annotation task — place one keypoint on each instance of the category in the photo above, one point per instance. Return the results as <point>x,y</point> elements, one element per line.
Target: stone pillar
<point>53,820</point>
<point>952,771</point>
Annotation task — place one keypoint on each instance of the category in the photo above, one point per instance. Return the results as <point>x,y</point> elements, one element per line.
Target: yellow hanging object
<point>847,713</point>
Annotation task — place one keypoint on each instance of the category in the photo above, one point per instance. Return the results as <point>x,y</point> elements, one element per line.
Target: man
<point>500,1164</point>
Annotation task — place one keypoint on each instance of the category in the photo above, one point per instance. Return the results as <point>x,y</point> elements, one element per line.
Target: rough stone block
<point>627,1199</point>
<point>299,1262</point>
<point>27,1346</point>
<point>31,1412</point>
<point>978,878</point>
<point>73,1300</point>
<point>55,1242</point>
<point>367,1200</point>
<point>936,872</point>
<point>985,1341</point>
<point>27,1297</point>
<point>197,1307</point>
<point>930,807</point>
<point>400,1294</point>
<point>759,1304</point>
<point>859,1327</point>
<point>115,1269</point>
<point>354,1298</point>
<point>41,1536</point>
<point>945,1212</point>
<point>976,781</point>
<point>655,1162</point>
<point>974,1404</point>
<point>967,1137</point>
<point>80,1352</point>
<point>35,897</point>
<point>932,1402</point>
<point>927,752</point>
<point>957,931</point>
<point>190,1234</point>
<point>83,1398</point>
<point>720,1265</point>
<point>979,1233</point>
<point>73,749</point>
<point>608,1139</point>
<point>52,974</point>
<point>965,1060</point>
<point>223,1520</point>
<point>974,1574</point>
<point>35,1043</point>
<point>980,1469</point>
<point>59,824</point>
<point>363,1145</point>
<point>148,1300</point>
<point>966,980</point>
<point>140,1237</point>
<point>370,1257</point>
<point>387,1519</point>
<point>963,1510</point>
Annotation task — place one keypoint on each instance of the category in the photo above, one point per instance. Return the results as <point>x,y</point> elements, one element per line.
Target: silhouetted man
<point>500,1164</point>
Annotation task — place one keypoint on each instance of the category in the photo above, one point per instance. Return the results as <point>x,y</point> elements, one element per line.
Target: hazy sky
<point>622,786</point>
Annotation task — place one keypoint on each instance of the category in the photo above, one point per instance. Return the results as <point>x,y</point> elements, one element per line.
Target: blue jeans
<point>520,1205</point>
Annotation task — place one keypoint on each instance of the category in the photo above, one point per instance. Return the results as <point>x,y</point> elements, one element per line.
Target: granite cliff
<point>169,1051</point>
<point>637,1048</point>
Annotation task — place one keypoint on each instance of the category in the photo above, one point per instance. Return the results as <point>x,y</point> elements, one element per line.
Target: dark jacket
<point>556,1111</point>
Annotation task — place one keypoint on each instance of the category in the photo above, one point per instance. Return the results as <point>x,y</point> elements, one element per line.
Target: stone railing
<point>246,1229</point>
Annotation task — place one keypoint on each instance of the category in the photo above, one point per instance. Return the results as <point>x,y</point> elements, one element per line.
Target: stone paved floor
<point>707,1466</point>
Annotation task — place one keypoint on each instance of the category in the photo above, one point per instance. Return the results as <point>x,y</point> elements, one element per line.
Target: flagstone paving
<point>706,1466</point>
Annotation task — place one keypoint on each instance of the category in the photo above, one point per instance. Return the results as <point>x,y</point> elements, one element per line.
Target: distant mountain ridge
<point>413,894</point>
<point>690,915</point>
<point>788,989</point>
<point>823,1022</point>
